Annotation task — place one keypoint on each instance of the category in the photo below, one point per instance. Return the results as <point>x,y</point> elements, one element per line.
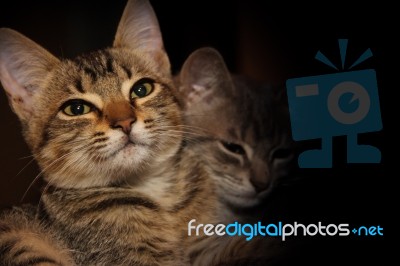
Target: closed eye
<point>233,148</point>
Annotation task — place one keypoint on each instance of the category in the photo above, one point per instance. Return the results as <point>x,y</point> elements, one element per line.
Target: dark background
<point>266,42</point>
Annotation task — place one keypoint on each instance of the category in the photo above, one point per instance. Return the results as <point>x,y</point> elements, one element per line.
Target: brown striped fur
<point>121,188</point>
<point>121,184</point>
<point>24,240</point>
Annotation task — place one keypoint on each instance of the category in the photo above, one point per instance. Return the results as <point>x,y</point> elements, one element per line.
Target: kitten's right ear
<point>204,75</point>
<point>138,30</point>
<point>23,67</point>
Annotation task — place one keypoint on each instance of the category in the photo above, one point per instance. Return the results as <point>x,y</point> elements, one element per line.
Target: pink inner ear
<point>151,38</point>
<point>19,97</point>
<point>198,94</point>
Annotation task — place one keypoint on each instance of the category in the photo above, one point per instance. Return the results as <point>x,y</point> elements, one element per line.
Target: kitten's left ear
<point>24,66</point>
<point>139,30</point>
<point>204,76</point>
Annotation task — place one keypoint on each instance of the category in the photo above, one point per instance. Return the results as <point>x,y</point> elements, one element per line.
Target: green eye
<point>141,89</point>
<point>76,107</point>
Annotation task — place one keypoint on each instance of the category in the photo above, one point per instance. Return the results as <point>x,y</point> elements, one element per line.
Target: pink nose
<point>125,125</point>
<point>120,115</point>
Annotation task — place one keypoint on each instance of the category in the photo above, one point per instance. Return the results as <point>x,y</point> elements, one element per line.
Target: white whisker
<point>23,168</point>
<point>63,167</point>
<point>48,166</point>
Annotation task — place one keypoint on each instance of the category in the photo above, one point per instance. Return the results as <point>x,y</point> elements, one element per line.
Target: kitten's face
<point>103,117</point>
<point>244,136</point>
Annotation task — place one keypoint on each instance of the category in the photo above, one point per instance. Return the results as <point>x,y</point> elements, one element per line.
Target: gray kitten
<point>240,129</point>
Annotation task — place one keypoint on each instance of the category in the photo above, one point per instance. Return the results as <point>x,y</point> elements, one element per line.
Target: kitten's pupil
<point>233,147</point>
<point>76,107</point>
<point>141,89</point>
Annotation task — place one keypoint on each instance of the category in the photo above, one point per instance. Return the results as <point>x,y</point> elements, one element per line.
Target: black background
<point>263,41</point>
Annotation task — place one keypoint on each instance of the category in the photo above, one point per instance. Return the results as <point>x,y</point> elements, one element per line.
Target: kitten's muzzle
<point>260,175</point>
<point>120,115</point>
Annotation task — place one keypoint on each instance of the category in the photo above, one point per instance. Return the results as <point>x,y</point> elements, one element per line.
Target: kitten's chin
<point>242,201</point>
<point>242,198</point>
<point>130,156</point>
<point>124,164</point>
<point>137,159</point>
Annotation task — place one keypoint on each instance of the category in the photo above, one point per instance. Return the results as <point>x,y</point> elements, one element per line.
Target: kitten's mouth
<point>134,142</point>
<point>131,143</point>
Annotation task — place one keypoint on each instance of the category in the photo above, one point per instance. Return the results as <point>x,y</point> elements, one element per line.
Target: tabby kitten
<point>106,130</point>
<point>240,129</point>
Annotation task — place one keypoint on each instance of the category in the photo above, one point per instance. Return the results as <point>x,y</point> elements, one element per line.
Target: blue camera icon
<point>338,104</point>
